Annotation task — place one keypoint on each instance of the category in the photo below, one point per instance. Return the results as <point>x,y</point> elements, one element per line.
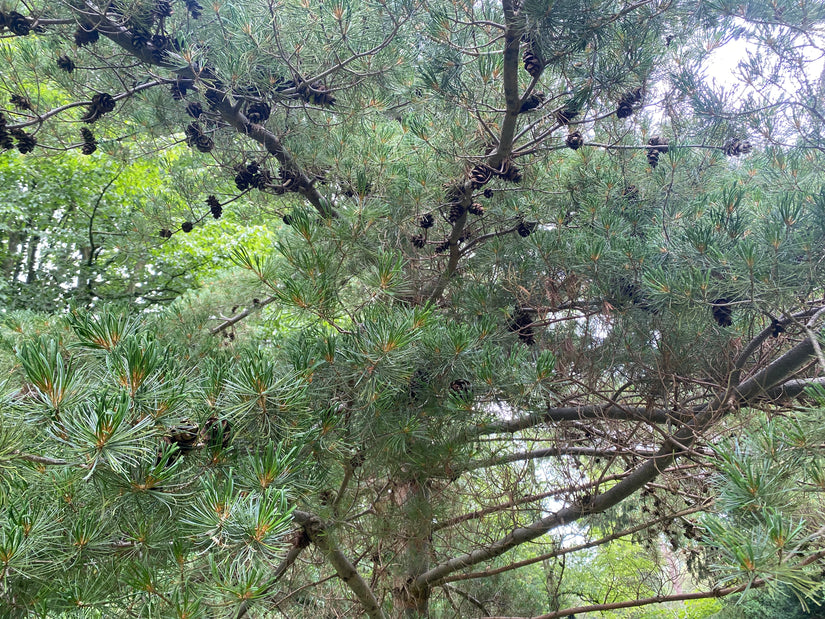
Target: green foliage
<point>419,295</point>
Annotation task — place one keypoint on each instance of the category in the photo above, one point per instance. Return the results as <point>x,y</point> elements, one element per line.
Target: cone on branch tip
<point>521,324</point>
<point>316,93</point>
<point>736,147</point>
<point>476,209</point>
<point>488,193</point>
<point>442,247</point>
<point>456,211</point>
<point>630,193</point>
<point>194,8</point>
<point>722,312</point>
<point>418,241</point>
<point>574,140</point>
<point>187,226</point>
<point>777,328</point>
<point>194,109</point>
<point>566,114</point>
<point>165,233</point>
<point>426,221</point>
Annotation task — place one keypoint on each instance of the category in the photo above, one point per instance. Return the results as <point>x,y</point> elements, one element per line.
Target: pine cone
<point>627,101</point>
<point>18,24</point>
<point>488,193</point>
<point>289,179</point>
<point>461,385</point>
<point>624,110</point>
<point>162,9</point>
<point>509,171</point>
<point>574,140</point>
<point>217,433</point>
<point>521,324</point>
<point>442,247</point>
<point>418,240</point>
<point>194,8</point>
<point>102,103</point>
<point>197,138</point>
<point>722,312</point>
<point>165,234</point>
<point>566,114</point>
<point>777,328</point>
<point>243,178</point>
<point>532,102</point>
<point>456,211</point>
<point>480,175</point>
<point>258,112</point>
<point>426,221</point>
<point>532,64</point>
<point>194,109</point>
<point>184,436</point>
<point>735,147</point>
<point>20,102</point>
<point>526,228</point>
<point>64,63</point>
<point>631,98</point>
<point>658,143</point>
<point>658,146</point>
<point>140,38</point>
<point>89,141</point>
<point>316,93</point>
<point>25,142</point>
<point>214,206</point>
<point>86,35</point>
<point>631,193</point>
<point>187,226</point>
<point>476,209</point>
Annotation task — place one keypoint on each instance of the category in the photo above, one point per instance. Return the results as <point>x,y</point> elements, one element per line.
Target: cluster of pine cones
<point>14,22</point>
<point>252,175</point>
<point>25,142</point>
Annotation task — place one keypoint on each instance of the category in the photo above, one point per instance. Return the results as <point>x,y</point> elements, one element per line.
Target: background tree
<point>531,271</point>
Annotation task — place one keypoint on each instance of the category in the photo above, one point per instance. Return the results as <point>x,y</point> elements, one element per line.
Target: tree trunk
<point>414,537</point>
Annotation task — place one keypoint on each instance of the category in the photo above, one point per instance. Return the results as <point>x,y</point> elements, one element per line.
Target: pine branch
<point>778,371</point>
<point>317,533</point>
<point>584,546</point>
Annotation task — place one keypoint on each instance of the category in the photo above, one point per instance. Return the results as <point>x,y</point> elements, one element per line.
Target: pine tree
<point>530,271</point>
